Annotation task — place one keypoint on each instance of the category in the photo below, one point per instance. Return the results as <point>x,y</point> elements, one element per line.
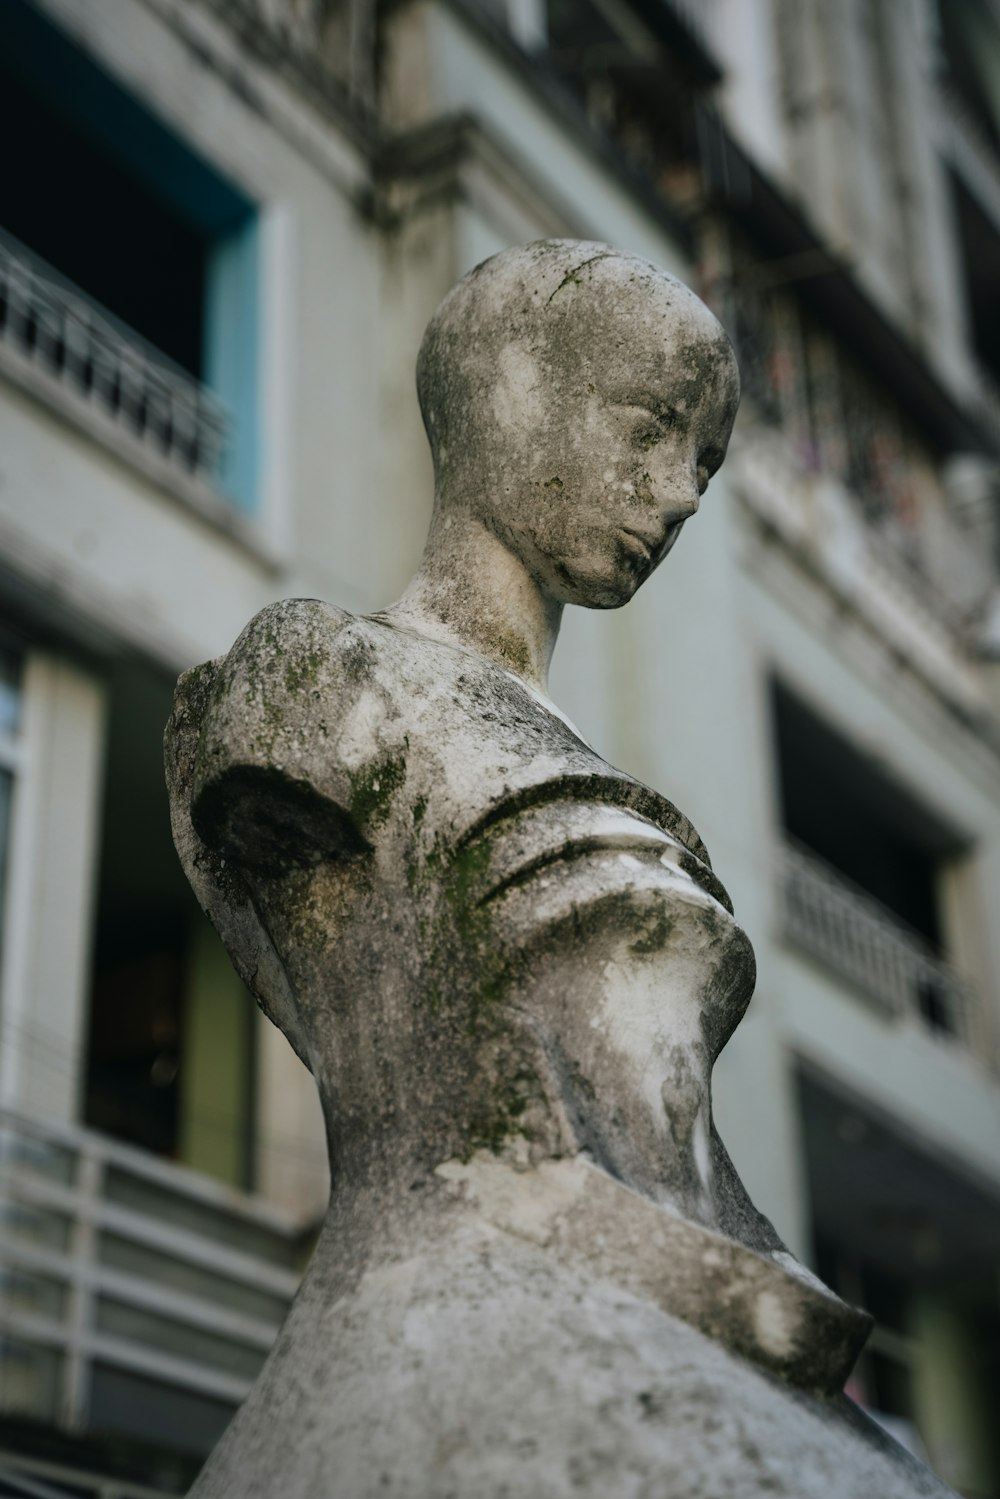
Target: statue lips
<point>650,550</point>
<point>638,547</point>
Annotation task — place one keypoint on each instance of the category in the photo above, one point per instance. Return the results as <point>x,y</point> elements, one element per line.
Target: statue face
<point>639,406</point>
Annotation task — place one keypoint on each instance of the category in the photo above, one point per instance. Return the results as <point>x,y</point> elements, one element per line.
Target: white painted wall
<point>51,874</point>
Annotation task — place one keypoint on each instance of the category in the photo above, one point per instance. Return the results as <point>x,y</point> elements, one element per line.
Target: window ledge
<point>86,416</point>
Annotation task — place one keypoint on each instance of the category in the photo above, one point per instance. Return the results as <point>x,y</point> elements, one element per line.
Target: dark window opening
<point>106,194</point>
<point>891,1223</point>
<point>144,1037</point>
<point>966,35</point>
<point>842,807</point>
<point>637,71</point>
<point>144,915</point>
<point>101,227</point>
<point>980,244</point>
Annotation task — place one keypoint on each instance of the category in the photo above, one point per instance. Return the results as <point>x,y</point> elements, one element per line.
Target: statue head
<point>577,400</point>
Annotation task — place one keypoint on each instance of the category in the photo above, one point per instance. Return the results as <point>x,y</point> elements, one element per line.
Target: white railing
<point>58,329</point>
<point>818,517</point>
<point>854,935</point>
<point>136,1297</point>
<point>31,1478</point>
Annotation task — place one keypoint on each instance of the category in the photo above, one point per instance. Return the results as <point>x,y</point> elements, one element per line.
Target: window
<point>915,1242</point>
<point>838,805</point>
<point>170,1060</point>
<point>862,865</point>
<point>107,197</point>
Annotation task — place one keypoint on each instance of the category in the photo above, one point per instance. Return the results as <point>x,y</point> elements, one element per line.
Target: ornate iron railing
<point>868,567</point>
<point>58,329</point>
<point>135,1296</point>
<point>24,1477</point>
<point>854,935</point>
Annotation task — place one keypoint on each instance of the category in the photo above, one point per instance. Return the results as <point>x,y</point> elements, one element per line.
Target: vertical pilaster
<point>932,239</point>
<point>51,882</point>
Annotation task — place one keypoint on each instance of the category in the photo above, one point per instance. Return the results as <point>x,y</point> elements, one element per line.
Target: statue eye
<point>655,420</point>
<point>648,433</point>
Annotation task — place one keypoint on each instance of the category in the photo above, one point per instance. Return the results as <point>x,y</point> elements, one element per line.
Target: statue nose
<point>683,503</point>
<point>675,487</point>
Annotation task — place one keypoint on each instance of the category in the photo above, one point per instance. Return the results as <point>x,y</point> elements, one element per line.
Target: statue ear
<point>216,879</point>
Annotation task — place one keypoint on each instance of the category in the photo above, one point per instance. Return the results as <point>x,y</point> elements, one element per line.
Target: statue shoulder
<point>286,643</point>
<point>266,694</point>
<point>250,731</point>
<point>244,748</point>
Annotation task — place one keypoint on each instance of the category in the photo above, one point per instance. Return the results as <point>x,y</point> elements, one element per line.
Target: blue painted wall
<point>232,352</point>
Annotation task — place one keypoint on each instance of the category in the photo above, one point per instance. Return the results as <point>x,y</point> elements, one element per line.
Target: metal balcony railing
<point>137,1298</point>
<point>30,1478</point>
<point>829,918</point>
<point>60,331</point>
<point>920,619</point>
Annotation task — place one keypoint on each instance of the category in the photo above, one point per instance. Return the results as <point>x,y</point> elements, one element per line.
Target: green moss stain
<point>373,788</point>
<point>514,651</point>
<point>303,671</point>
<point>570,279</point>
<point>471,979</point>
<point>468,869</point>
<point>490,1127</point>
<point>573,277</point>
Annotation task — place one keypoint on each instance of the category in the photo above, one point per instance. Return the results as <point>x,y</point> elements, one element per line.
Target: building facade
<point>224,228</point>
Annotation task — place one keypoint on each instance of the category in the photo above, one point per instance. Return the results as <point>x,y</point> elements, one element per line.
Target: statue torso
<point>510,968</point>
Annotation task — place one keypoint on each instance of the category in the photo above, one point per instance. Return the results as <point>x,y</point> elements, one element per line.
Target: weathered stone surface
<point>510,968</point>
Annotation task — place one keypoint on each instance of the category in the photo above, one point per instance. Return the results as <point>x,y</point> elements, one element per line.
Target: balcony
<point>30,1478</point>
<point>137,1299</point>
<point>93,368</point>
<point>841,926</point>
<point>923,607</point>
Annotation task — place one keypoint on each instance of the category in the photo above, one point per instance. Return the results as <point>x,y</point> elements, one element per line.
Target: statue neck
<point>472,590</point>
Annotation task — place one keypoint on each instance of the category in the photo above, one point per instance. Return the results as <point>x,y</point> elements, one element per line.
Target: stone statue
<point>510,969</point>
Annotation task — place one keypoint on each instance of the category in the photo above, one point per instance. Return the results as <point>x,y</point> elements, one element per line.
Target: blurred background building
<point>223,226</point>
